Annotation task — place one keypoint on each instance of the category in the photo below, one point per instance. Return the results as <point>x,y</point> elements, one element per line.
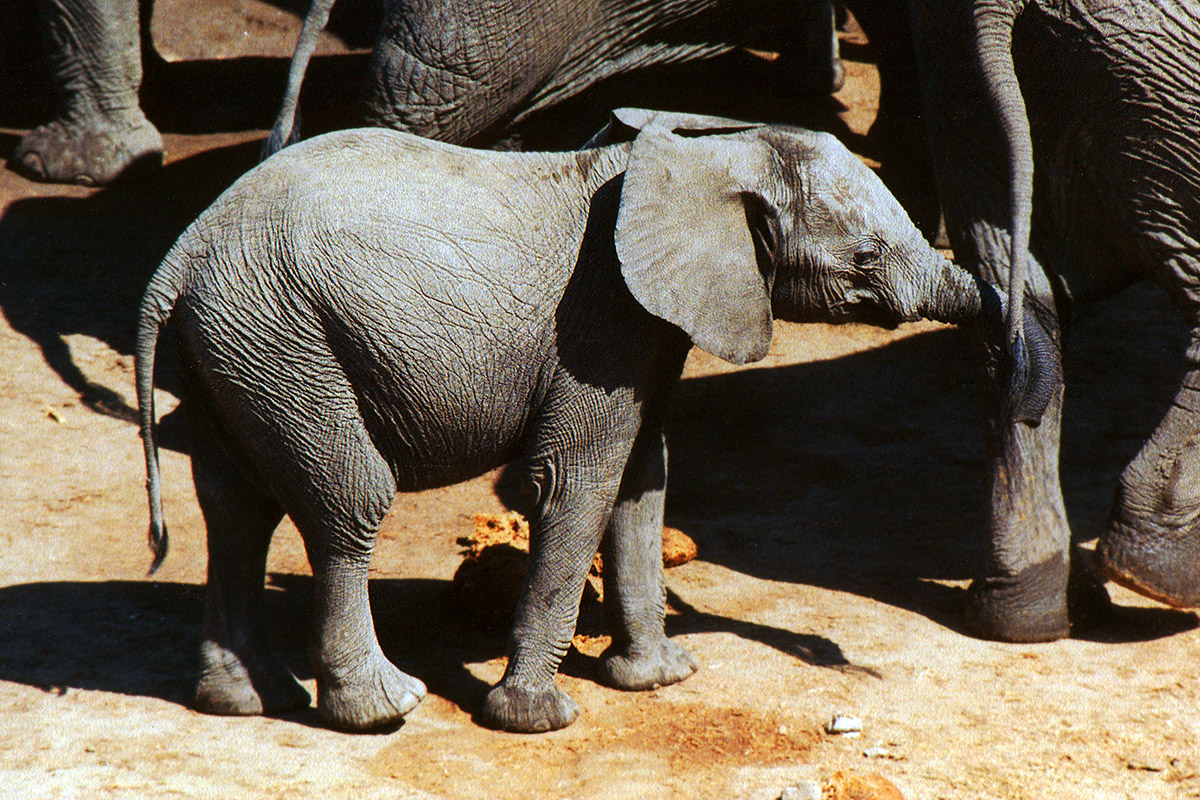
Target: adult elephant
<point>99,132</point>
<point>1066,145</point>
<point>468,71</point>
<point>449,70</point>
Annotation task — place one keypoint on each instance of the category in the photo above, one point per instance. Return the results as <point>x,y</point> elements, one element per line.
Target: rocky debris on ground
<point>844,725</point>
<point>488,583</point>
<point>804,790</point>
<point>844,785</point>
<point>847,785</point>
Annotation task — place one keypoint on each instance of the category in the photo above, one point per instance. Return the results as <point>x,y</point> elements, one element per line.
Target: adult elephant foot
<point>523,709</point>
<point>1021,592</point>
<point>1152,541</point>
<point>659,664</point>
<point>1027,606</point>
<point>245,684</point>
<point>372,696</point>
<point>95,153</point>
<point>1160,561</point>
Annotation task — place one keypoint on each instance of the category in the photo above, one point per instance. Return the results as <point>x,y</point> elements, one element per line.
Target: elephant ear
<point>624,124</point>
<point>684,241</point>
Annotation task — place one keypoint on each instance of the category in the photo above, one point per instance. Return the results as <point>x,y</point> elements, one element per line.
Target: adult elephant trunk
<point>1035,373</point>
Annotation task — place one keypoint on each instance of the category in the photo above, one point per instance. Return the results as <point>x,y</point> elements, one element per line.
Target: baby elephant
<point>371,312</point>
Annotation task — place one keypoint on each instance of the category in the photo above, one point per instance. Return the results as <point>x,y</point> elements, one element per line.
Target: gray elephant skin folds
<point>369,312</point>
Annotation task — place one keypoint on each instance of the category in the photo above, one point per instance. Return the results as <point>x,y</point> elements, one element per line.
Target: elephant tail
<point>157,304</point>
<point>1032,381</point>
<point>286,129</point>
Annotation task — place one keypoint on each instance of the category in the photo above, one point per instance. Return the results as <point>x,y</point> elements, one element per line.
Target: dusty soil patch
<point>836,492</point>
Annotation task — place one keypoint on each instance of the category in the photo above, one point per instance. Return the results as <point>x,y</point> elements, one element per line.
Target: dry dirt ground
<point>836,490</point>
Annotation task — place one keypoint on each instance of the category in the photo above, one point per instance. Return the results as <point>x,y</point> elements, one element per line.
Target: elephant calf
<point>371,312</point>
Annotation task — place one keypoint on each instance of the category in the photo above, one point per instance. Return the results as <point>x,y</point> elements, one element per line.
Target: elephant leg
<point>1031,586</point>
<point>240,672</point>
<point>1152,541</point>
<point>1027,587</point>
<point>338,512</point>
<point>99,132</point>
<point>641,655</point>
<point>577,497</point>
<point>815,62</point>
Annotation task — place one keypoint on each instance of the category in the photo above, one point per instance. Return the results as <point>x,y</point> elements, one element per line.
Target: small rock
<point>804,790</point>
<point>843,725</point>
<point>877,752</point>
<point>677,547</point>
<point>860,786</point>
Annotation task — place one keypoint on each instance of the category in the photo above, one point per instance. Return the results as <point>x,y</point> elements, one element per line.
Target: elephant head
<point>721,234</point>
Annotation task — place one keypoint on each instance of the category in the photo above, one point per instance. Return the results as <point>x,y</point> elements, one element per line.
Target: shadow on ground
<point>863,474</point>
<point>141,638</point>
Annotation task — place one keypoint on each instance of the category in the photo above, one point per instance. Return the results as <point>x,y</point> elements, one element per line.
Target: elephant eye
<point>866,256</point>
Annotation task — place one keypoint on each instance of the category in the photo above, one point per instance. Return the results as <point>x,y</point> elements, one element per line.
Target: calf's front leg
<point>641,656</point>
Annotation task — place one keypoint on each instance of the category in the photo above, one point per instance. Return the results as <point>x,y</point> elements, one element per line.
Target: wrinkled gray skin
<point>1100,176</point>
<point>435,312</point>
<point>457,71</point>
<point>466,71</point>
<point>98,133</point>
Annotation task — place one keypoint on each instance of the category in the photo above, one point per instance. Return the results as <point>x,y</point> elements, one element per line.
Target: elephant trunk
<point>951,294</point>
<point>1029,390</point>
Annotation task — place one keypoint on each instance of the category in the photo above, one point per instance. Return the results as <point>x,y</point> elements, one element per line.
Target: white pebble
<point>843,725</point>
<point>804,790</point>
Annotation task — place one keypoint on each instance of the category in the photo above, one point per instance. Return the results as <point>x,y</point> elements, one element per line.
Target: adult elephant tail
<point>1034,376</point>
<point>286,129</point>
<point>157,304</point>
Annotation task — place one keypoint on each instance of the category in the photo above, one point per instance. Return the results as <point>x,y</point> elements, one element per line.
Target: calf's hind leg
<point>240,672</point>
<point>338,509</point>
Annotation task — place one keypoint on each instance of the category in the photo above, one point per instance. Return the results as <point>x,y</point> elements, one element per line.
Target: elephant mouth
<point>867,314</point>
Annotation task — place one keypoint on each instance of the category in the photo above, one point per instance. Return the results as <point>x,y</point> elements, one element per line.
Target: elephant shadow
<point>141,638</point>
<point>867,473</point>
<point>76,262</point>
<point>863,474</point>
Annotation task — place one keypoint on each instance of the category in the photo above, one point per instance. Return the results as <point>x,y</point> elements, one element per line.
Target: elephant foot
<point>230,685</point>
<point>60,151</point>
<point>375,696</point>
<point>1088,602</point>
<point>661,664</point>
<point>521,709</point>
<point>1030,606</point>
<point>1160,561</point>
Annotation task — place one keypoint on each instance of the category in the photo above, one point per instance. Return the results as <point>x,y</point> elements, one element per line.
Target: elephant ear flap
<point>684,242</point>
<point>624,124</point>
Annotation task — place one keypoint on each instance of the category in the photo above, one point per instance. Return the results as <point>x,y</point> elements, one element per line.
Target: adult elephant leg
<point>816,62</point>
<point>897,136</point>
<point>641,656</point>
<point>1020,591</point>
<point>1152,541</point>
<point>98,133</point>
<point>240,672</point>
